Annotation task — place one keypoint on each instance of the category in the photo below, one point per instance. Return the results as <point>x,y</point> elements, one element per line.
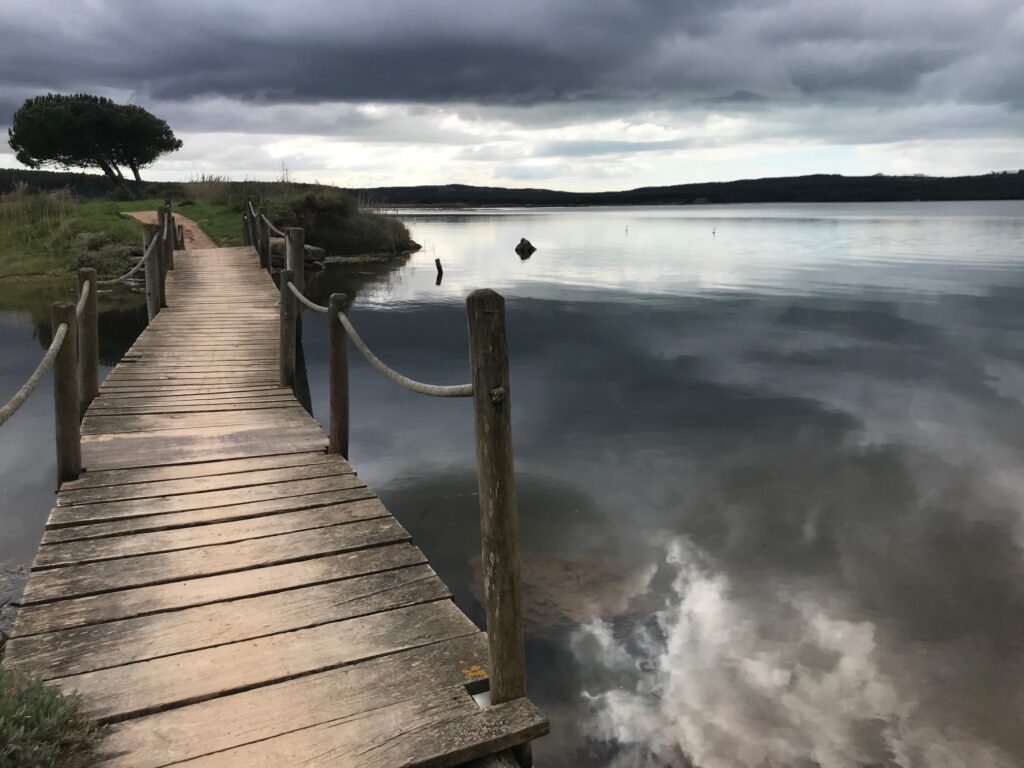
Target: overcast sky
<point>570,94</point>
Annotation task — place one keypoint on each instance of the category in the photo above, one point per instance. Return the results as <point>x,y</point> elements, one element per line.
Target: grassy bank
<point>50,233</point>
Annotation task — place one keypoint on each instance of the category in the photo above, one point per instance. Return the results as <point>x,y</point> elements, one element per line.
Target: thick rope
<point>312,305</point>
<point>434,390</point>
<point>29,386</point>
<point>80,306</point>
<point>272,228</point>
<point>138,266</point>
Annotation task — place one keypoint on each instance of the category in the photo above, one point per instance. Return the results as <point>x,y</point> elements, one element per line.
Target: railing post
<point>149,231</point>
<point>499,524</point>
<point>161,254</point>
<point>66,402</point>
<point>264,243</point>
<point>181,237</point>
<point>246,230</point>
<point>88,340</point>
<point>337,339</point>
<point>169,243</point>
<point>295,256</point>
<point>289,315</point>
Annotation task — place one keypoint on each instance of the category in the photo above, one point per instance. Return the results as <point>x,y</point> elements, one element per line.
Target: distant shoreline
<point>819,188</point>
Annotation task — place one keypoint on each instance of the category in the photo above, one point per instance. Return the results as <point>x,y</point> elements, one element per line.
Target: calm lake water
<point>769,469</point>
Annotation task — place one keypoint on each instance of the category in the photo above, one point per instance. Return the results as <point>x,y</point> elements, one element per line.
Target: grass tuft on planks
<point>40,727</point>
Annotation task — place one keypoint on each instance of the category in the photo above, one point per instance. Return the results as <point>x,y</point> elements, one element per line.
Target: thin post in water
<point>66,402</point>
<point>499,521</point>
<point>88,339</point>
<point>337,340</point>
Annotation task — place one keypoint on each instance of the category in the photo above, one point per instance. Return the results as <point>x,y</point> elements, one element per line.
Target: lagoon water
<point>769,469</point>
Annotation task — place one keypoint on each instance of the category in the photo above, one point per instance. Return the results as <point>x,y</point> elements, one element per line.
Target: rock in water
<point>525,248</point>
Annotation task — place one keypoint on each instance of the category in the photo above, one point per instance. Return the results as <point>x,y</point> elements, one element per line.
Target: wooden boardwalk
<point>223,592</point>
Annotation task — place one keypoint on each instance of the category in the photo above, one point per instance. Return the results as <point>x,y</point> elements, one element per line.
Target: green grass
<point>50,234</point>
<point>40,728</point>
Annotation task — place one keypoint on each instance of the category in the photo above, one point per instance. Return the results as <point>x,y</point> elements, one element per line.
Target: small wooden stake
<point>66,402</point>
<point>289,315</point>
<point>499,523</point>
<point>337,339</point>
<point>181,237</point>
<point>88,340</point>
<point>295,256</point>
<point>149,231</point>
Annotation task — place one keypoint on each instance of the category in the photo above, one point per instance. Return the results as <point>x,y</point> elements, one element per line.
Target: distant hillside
<point>821,188</point>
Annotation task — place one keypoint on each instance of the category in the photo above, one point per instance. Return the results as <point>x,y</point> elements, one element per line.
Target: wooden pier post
<point>289,329</point>
<point>246,230</point>
<point>161,253</point>
<point>66,402</point>
<point>264,242</point>
<point>149,231</point>
<point>88,339</point>
<point>170,243</point>
<point>337,340</point>
<point>499,522</point>
<point>295,256</point>
<point>181,236</point>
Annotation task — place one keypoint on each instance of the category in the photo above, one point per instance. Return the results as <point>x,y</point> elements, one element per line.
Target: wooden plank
<point>93,548</point>
<point>440,728</point>
<point>183,502</point>
<point>157,684</point>
<point>112,575</point>
<point>95,479</point>
<point>100,646</point>
<point>325,467</point>
<point>206,516</point>
<point>220,724</point>
<point>202,444</point>
<point>142,601</point>
<point>99,424</point>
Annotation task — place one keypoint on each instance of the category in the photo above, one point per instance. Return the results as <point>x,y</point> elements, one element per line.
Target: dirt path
<point>194,235</point>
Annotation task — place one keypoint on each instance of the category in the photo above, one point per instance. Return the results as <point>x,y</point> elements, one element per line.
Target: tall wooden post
<point>88,339</point>
<point>66,402</point>
<point>161,253</point>
<point>246,229</point>
<point>149,231</point>
<point>337,339</point>
<point>264,241</point>
<point>171,242</point>
<point>499,523</point>
<point>295,256</point>
<point>181,237</point>
<point>289,328</point>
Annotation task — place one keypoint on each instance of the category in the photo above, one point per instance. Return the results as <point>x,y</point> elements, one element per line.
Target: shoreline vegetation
<point>52,223</point>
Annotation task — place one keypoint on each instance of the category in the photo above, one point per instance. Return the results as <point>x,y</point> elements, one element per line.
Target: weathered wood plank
<point>96,424</point>
<point>440,728</point>
<point>86,649</point>
<point>108,576</point>
<point>243,718</point>
<point>142,601</point>
<point>325,467</point>
<point>151,686</point>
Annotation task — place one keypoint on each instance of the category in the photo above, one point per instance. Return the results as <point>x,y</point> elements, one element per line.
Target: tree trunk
<point>135,170</point>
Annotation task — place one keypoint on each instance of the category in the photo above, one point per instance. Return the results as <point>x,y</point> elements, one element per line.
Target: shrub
<point>39,727</point>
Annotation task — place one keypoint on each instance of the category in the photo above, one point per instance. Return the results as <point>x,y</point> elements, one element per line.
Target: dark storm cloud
<point>500,53</point>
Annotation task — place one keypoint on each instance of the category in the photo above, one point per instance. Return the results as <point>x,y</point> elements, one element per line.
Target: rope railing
<point>434,390</point>
<point>141,263</point>
<point>83,298</point>
<point>12,405</point>
<point>306,302</point>
<point>270,225</point>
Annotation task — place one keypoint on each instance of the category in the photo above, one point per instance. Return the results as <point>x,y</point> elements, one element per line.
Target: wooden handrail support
<point>67,405</point>
<point>88,340</point>
<point>153,282</point>
<point>337,340</point>
<point>289,330</point>
<point>499,518</point>
<point>263,232</point>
